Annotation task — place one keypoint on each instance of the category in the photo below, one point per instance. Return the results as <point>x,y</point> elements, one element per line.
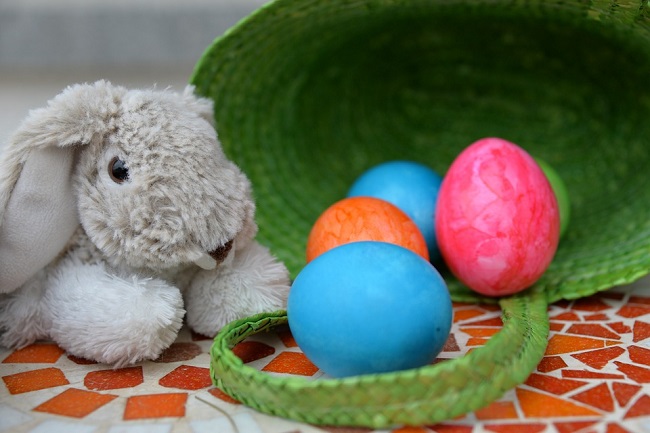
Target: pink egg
<point>497,221</point>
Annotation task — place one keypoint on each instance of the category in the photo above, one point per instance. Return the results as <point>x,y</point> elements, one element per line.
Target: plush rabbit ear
<point>38,212</point>
<point>202,106</point>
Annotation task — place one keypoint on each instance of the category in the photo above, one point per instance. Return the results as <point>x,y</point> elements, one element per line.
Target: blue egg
<point>412,187</point>
<point>369,307</point>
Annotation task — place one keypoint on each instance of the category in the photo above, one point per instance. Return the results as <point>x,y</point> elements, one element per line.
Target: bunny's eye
<point>117,170</point>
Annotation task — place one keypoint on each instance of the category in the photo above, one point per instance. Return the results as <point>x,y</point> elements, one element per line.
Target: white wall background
<point>46,45</point>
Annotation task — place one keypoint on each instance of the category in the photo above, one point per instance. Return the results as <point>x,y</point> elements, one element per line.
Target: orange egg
<point>364,219</point>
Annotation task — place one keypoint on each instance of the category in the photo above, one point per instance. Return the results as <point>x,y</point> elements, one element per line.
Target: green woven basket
<point>311,93</point>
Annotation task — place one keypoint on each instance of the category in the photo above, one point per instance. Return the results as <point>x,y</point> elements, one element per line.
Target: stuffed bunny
<point>119,214</point>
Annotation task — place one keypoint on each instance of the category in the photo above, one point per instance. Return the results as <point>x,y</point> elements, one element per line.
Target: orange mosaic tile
<point>599,358</point>
<point>556,327</point>
<point>75,403</point>
<point>291,363</point>
<point>538,405</point>
<point>573,427</point>
<point>560,343</point>
<point>498,410</point>
<point>619,327</point>
<point>623,392</point>
<point>287,338</point>
<point>155,406</point>
<point>451,345</point>
<point>639,300</point>
<point>249,351</point>
<point>586,374</point>
<point>475,341</point>
<point>187,377</point>
<point>516,428</point>
<point>495,321</point>
<point>553,384</point>
<point>593,330</point>
<point>480,332</point>
<point>599,317</point>
<point>599,397</point>
<point>223,396</point>
<point>35,380</point>
<point>35,354</point>
<point>114,379</point>
<point>615,428</point>
<point>592,303</point>
<point>566,317</point>
<point>551,363</point>
<point>632,311</point>
<point>641,331</point>
<point>640,408</point>
<point>636,373</point>
<point>179,352</point>
<point>639,355</point>
<point>460,315</point>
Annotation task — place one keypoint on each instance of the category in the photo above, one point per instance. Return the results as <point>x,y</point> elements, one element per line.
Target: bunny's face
<point>156,190</point>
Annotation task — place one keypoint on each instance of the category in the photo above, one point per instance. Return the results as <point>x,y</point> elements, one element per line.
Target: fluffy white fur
<point>107,269</point>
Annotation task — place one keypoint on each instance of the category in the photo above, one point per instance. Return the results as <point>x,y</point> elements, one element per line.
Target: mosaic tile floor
<point>595,378</point>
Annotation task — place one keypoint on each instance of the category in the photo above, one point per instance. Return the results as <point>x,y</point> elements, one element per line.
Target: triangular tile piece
<point>538,405</point>
<point>553,384</point>
<point>640,408</point>
<point>615,428</point>
<point>619,327</point>
<point>569,316</point>
<point>460,315</point>
<point>551,363</point>
<point>599,397</point>
<point>592,330</point>
<point>641,331</point>
<point>451,345</point>
<point>637,374</point>
<point>561,343</point>
<point>623,392</point>
<point>599,358</point>
<point>632,311</point>
<point>639,355</point>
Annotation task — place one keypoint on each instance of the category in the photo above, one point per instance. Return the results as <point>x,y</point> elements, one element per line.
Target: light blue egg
<point>412,187</point>
<point>369,307</point>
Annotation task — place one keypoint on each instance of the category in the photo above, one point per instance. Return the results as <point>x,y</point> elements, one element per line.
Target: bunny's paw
<point>114,320</point>
<point>252,282</point>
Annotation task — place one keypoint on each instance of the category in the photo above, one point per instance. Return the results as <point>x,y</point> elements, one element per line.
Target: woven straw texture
<point>309,94</point>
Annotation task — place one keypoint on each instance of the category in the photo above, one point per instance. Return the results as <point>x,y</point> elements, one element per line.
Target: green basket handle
<point>421,396</point>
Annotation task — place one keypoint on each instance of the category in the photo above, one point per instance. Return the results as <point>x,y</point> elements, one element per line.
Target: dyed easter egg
<point>411,186</point>
<point>561,193</point>
<point>364,219</point>
<point>369,307</point>
<point>497,220</point>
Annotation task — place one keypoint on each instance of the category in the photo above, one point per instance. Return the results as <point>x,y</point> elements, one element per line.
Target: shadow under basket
<point>309,94</point>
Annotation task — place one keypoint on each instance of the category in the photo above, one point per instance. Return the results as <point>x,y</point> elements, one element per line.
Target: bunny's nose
<point>221,253</point>
<point>210,260</point>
